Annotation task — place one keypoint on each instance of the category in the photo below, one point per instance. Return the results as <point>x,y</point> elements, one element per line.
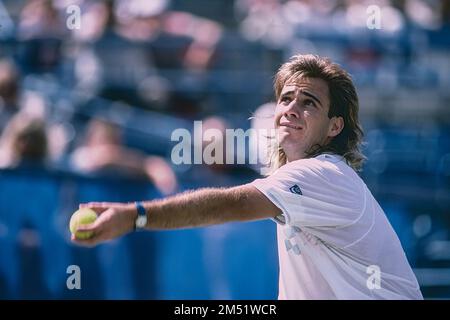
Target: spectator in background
<point>140,20</point>
<point>103,150</point>
<point>98,66</point>
<point>38,19</point>
<point>216,144</point>
<point>151,39</point>
<point>24,142</point>
<point>9,92</point>
<point>445,12</point>
<point>36,248</point>
<point>261,121</point>
<point>41,30</point>
<point>263,20</point>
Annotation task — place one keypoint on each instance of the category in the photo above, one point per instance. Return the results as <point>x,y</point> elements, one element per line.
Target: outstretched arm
<point>197,208</point>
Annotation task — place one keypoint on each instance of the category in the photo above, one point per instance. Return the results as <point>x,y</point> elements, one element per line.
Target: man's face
<point>301,117</point>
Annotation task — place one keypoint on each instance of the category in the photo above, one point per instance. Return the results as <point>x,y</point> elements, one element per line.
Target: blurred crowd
<point>114,53</point>
<point>67,86</point>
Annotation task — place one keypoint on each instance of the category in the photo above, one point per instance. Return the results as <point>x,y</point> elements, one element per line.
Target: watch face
<point>141,221</point>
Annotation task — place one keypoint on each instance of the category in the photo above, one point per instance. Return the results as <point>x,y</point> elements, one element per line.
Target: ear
<point>336,126</point>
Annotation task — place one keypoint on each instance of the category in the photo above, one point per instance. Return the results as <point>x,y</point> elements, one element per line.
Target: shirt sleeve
<point>314,193</point>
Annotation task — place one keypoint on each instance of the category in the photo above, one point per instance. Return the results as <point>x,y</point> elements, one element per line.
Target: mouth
<point>290,125</point>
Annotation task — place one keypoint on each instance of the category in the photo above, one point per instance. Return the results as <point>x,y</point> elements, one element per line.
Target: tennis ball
<point>82,217</point>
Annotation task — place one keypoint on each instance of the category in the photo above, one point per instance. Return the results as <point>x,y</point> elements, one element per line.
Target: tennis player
<point>334,240</point>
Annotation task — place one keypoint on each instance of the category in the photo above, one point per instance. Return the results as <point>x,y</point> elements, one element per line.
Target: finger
<point>94,230</point>
<point>102,204</point>
<point>87,227</point>
<point>98,207</point>
<point>93,239</point>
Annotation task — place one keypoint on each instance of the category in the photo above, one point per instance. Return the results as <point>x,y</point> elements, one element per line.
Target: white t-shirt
<point>334,240</point>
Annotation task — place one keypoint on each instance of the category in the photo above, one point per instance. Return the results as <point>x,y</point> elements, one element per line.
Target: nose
<point>291,110</point>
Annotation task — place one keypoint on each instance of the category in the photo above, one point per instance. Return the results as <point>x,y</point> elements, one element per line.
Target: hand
<point>114,220</point>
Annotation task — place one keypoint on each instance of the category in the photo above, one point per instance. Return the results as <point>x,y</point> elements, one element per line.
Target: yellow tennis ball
<point>82,217</point>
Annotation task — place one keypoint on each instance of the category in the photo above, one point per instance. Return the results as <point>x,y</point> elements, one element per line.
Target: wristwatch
<point>141,220</point>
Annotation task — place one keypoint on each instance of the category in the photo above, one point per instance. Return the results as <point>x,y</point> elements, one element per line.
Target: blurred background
<point>91,91</point>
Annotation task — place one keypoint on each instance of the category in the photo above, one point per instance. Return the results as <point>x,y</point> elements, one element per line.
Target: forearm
<point>201,207</point>
<point>198,208</point>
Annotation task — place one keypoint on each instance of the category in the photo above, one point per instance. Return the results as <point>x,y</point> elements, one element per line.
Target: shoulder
<point>324,166</point>
<point>320,191</point>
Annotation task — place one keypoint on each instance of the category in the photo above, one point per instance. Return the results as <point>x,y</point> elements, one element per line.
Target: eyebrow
<point>306,93</point>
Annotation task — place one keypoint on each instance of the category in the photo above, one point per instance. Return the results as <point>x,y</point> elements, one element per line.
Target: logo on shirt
<point>295,189</point>
<point>290,242</point>
<point>374,279</point>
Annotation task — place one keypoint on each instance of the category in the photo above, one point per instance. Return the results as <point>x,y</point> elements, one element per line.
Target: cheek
<point>277,118</point>
<point>319,127</point>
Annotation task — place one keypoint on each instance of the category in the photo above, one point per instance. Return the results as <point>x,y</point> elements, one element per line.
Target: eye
<point>285,99</point>
<point>309,102</point>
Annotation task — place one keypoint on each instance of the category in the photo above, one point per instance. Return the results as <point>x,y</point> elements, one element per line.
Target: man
<point>334,241</point>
